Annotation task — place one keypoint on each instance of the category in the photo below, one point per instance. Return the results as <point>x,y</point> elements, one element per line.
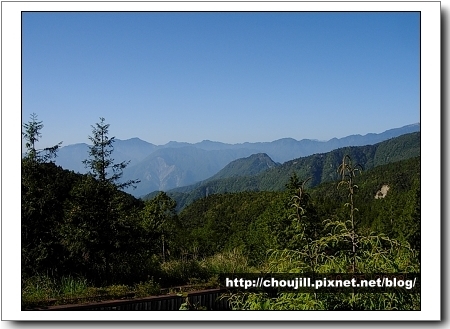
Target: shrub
<point>148,288</point>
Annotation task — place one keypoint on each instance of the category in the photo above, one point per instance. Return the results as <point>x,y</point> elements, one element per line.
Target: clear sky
<point>229,77</point>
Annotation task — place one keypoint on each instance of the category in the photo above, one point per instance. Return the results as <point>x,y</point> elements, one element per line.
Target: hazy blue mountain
<point>163,167</point>
<point>321,167</point>
<point>249,166</point>
<point>244,167</point>
<point>286,149</point>
<point>71,157</point>
<point>211,145</point>
<point>133,150</point>
<point>173,167</point>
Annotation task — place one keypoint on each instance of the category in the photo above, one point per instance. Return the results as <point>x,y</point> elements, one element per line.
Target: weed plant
<point>341,248</point>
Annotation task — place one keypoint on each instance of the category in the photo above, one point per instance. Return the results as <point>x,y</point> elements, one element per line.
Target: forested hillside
<point>258,221</point>
<point>320,167</point>
<point>366,222</point>
<point>84,238</point>
<point>176,164</point>
<point>244,167</point>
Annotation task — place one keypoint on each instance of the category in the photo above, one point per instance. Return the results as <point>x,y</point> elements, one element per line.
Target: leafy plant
<point>148,288</point>
<point>32,134</point>
<point>72,287</point>
<point>342,250</point>
<point>188,306</point>
<point>38,290</point>
<point>227,262</point>
<point>117,290</point>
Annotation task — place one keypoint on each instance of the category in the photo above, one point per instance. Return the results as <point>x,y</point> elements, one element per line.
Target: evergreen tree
<point>31,134</point>
<point>97,222</point>
<point>160,220</point>
<point>100,163</point>
<point>43,188</point>
<point>299,224</point>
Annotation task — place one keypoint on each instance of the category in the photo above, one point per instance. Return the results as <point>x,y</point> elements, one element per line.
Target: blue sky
<point>230,77</point>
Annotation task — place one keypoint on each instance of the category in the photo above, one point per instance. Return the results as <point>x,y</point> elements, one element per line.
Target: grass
<point>72,287</point>
<point>38,290</point>
<point>42,290</point>
<point>227,262</point>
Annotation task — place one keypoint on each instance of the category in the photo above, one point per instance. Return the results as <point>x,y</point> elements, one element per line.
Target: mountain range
<point>259,173</point>
<point>176,164</point>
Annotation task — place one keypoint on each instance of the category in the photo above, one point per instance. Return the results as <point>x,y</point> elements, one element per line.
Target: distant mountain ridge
<point>172,167</point>
<point>175,164</point>
<point>249,166</point>
<point>321,167</point>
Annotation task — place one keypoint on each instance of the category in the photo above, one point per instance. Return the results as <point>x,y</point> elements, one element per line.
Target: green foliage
<point>100,162</point>
<point>233,261</point>
<point>159,222</point>
<point>83,226</point>
<point>188,306</point>
<point>204,271</point>
<point>305,225</point>
<point>71,287</point>
<point>44,190</point>
<point>98,225</point>
<point>40,290</point>
<point>348,229</point>
<point>320,167</point>
<point>396,215</point>
<point>80,225</point>
<point>148,288</point>
<point>37,290</point>
<point>343,248</point>
<point>221,223</point>
<point>249,166</point>
<point>116,291</point>
<point>44,187</point>
<point>31,135</point>
<point>284,302</point>
<point>181,271</point>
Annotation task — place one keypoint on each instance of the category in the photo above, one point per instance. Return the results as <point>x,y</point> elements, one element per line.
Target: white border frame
<point>430,160</point>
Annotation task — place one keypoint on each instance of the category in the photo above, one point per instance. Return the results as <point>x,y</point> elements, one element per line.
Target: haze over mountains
<point>176,164</point>
<point>259,173</point>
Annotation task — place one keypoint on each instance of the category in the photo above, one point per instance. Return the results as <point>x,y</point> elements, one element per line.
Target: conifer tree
<point>40,206</point>
<point>97,223</point>
<point>31,134</point>
<point>159,219</point>
<point>100,162</point>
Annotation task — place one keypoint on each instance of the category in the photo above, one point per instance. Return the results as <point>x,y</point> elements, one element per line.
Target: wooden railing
<point>201,299</point>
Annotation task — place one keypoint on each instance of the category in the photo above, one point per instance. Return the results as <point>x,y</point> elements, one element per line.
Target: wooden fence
<point>208,299</point>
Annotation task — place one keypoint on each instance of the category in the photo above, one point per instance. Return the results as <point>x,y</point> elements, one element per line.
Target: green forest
<point>319,168</point>
<point>85,238</point>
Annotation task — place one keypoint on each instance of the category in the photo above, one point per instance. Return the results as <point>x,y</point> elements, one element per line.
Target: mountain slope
<point>320,167</point>
<point>249,220</point>
<point>173,167</point>
<point>286,149</point>
<point>250,166</point>
<point>159,167</point>
<point>133,150</point>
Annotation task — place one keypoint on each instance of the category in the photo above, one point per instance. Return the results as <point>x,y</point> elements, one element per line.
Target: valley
<point>177,164</point>
<point>354,209</point>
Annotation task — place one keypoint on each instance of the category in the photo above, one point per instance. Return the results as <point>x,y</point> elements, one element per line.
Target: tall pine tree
<point>41,207</point>
<point>100,162</point>
<point>31,134</point>
<point>98,224</point>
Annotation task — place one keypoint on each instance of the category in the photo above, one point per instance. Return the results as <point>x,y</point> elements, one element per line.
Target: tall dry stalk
<point>348,171</point>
